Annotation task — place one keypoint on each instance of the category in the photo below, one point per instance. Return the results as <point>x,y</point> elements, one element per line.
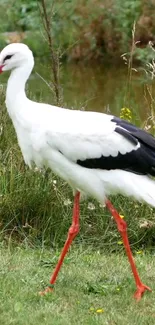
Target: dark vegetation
<point>81,29</point>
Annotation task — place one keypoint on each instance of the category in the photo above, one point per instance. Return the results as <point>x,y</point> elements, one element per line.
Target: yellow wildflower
<point>139,252</point>
<point>121,216</point>
<point>126,114</point>
<point>119,242</point>
<point>99,311</point>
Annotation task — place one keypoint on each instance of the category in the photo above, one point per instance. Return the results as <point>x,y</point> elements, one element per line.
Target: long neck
<point>16,85</point>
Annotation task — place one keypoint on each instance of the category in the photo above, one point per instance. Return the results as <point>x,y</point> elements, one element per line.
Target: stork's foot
<point>49,289</point>
<point>140,291</point>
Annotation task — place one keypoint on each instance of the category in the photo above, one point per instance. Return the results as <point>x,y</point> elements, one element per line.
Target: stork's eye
<point>7,57</point>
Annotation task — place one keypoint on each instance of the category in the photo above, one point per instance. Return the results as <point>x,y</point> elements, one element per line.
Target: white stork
<point>96,153</point>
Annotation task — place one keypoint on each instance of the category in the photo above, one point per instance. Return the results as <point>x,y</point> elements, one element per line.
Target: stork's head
<point>15,55</point>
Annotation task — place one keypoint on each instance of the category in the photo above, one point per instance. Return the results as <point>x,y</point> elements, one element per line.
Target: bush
<point>82,29</point>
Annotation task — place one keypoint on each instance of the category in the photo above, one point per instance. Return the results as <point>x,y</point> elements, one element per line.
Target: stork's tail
<point>141,187</point>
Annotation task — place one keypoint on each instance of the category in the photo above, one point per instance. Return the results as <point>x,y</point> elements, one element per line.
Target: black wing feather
<point>140,161</point>
<point>142,136</point>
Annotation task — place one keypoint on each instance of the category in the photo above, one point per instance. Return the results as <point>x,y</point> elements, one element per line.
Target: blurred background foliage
<point>81,29</point>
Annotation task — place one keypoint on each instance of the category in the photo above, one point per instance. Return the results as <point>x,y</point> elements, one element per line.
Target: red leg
<point>122,227</point>
<point>73,231</point>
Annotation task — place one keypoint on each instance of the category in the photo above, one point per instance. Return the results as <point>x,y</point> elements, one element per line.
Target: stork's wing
<point>115,147</point>
<point>144,137</point>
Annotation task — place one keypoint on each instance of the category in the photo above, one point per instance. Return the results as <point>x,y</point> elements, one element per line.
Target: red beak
<point>1,66</point>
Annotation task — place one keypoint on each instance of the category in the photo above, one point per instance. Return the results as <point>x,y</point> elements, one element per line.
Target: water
<point>93,87</point>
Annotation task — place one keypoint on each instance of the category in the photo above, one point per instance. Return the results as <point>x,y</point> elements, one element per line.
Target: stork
<point>96,153</point>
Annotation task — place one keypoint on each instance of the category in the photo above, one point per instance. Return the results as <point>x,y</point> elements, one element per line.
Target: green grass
<point>89,281</point>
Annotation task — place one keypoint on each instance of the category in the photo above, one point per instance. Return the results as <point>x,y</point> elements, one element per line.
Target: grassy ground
<point>92,288</point>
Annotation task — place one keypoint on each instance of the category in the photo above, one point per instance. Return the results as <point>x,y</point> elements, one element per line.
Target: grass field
<point>92,288</point>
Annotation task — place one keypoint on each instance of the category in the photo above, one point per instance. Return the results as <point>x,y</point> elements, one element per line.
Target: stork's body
<point>84,149</point>
<point>95,153</point>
